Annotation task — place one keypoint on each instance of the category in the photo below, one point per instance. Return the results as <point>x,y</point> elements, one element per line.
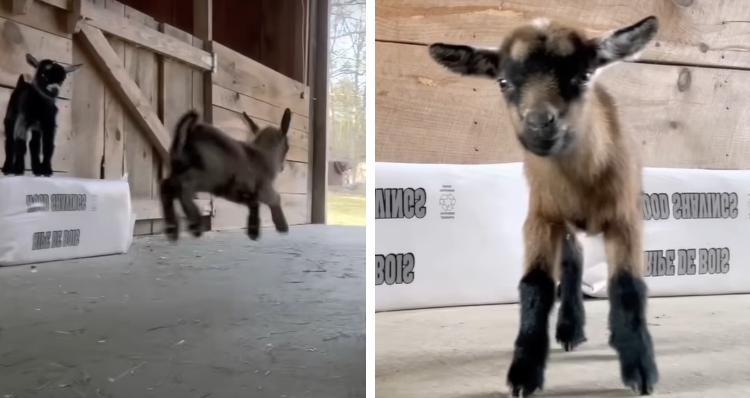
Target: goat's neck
<point>595,131</point>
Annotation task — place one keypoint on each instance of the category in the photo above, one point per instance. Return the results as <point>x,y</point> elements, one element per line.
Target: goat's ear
<point>625,43</point>
<point>72,68</point>
<point>466,60</point>
<point>286,121</point>
<point>253,127</point>
<point>32,61</point>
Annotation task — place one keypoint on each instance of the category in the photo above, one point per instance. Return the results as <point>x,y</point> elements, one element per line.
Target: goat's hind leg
<point>537,296</point>
<point>629,336</point>
<point>168,192</point>
<point>191,210</point>
<point>571,317</point>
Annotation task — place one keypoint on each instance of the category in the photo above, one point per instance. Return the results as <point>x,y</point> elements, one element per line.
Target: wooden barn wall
<point>271,32</point>
<point>97,134</point>
<point>685,100</point>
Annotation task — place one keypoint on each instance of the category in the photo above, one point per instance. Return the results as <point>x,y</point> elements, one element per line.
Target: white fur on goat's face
<point>545,70</point>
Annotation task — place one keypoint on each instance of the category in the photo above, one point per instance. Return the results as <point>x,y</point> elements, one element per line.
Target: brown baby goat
<point>205,159</point>
<point>584,173</point>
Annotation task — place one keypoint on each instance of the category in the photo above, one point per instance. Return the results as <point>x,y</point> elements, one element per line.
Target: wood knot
<point>683,82</point>
<point>703,47</point>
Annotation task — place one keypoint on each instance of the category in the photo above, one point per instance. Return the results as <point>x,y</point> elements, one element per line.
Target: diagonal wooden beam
<point>134,100</point>
<point>20,7</point>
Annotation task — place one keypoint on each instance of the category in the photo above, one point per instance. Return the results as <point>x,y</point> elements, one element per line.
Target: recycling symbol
<point>447,201</point>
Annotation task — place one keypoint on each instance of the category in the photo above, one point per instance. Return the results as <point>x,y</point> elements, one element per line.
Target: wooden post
<point>318,78</point>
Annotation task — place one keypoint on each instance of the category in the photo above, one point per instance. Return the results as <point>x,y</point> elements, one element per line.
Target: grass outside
<point>346,209</point>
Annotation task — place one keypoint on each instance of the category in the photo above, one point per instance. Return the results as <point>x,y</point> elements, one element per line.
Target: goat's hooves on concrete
<point>172,233</point>
<point>254,234</point>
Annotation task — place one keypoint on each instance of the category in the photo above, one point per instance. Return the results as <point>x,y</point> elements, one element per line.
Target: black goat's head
<point>273,139</point>
<point>50,75</point>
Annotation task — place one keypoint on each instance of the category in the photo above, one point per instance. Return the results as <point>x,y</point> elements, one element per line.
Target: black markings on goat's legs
<point>19,154</point>
<point>537,295</point>
<point>279,220</point>
<point>35,146</point>
<point>253,219</point>
<point>628,295</point>
<point>168,196</point>
<point>48,146</point>
<point>571,317</point>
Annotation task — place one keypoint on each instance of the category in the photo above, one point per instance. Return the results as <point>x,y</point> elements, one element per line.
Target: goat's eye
<point>583,79</point>
<point>503,84</point>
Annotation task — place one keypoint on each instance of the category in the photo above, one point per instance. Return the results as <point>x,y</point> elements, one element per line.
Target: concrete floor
<point>702,346</point>
<point>220,316</point>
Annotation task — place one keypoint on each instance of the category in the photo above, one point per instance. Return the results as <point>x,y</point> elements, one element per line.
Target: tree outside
<point>346,113</point>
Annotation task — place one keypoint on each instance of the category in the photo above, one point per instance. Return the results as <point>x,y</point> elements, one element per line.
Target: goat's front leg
<point>542,240</point>
<point>253,218</point>
<point>571,317</point>
<point>49,130</point>
<point>9,153</point>
<point>168,192</point>
<point>35,145</point>
<point>628,295</point>
<point>19,156</point>
<point>268,195</point>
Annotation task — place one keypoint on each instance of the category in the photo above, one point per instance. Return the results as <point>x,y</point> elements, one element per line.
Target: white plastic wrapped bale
<point>697,224</point>
<point>48,219</point>
<point>448,235</point>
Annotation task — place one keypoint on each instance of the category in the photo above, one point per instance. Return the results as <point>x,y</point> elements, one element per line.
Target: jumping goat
<point>584,174</point>
<point>205,159</point>
<point>32,107</point>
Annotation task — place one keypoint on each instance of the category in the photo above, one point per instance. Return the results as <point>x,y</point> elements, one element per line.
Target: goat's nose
<point>539,119</point>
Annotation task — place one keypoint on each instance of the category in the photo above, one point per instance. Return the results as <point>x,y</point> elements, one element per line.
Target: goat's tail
<point>184,126</point>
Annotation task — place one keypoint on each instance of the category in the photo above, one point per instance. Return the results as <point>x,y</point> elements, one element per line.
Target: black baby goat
<point>32,107</point>
<point>204,159</point>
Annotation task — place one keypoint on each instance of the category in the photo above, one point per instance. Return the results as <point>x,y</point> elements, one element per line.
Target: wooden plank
<point>40,16</point>
<point>114,113</point>
<point>146,37</point>
<point>234,124</point>
<point>88,117</point>
<point>258,109</point>
<point>229,216</point>
<point>425,114</point>
<point>177,83</point>
<point>61,4</point>
<point>243,75</point>
<point>20,7</point>
<point>140,155</point>
<point>134,99</point>
<point>203,11</point>
<point>74,15</point>
<point>691,32</point>
<point>318,150</point>
<point>16,40</point>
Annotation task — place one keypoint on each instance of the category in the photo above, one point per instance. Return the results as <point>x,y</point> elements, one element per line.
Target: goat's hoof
<point>253,233</point>
<point>45,170</point>
<point>282,228</point>
<point>526,376</point>
<point>196,230</point>
<point>172,232</point>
